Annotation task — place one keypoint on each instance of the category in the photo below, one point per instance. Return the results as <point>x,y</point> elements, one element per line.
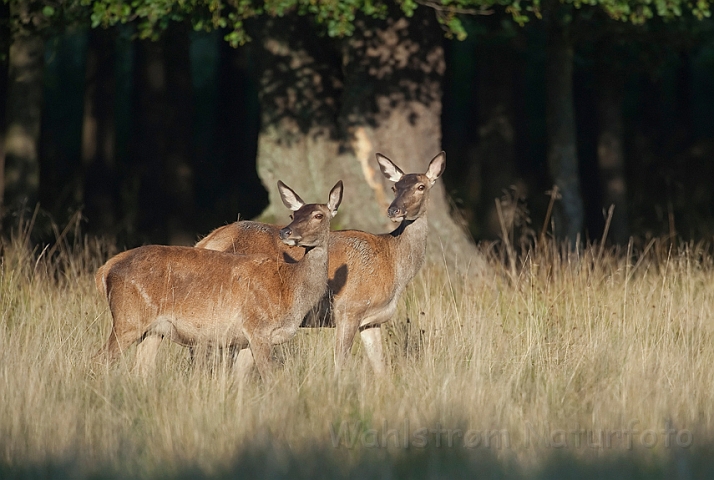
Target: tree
<point>610,152</point>
<point>321,122</point>
<point>28,24</point>
<point>493,50</point>
<point>392,103</point>
<point>560,124</point>
<point>99,132</point>
<point>21,173</point>
<point>161,142</point>
<point>5,34</point>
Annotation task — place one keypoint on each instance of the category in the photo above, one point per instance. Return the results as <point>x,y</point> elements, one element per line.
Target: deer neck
<point>311,277</point>
<point>410,246</point>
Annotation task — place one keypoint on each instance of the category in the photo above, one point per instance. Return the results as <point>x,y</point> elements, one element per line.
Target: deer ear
<point>389,169</point>
<point>335,198</point>
<point>291,199</point>
<point>436,167</point>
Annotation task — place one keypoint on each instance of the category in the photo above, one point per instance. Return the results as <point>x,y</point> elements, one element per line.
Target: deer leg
<point>243,363</point>
<point>372,342</point>
<point>110,351</point>
<point>345,331</point>
<point>146,355</point>
<point>119,340</point>
<point>261,351</point>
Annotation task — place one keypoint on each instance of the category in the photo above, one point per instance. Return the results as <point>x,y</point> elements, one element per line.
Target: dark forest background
<point>156,140</point>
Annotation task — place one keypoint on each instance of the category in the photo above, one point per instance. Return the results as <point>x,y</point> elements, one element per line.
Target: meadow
<point>556,365</point>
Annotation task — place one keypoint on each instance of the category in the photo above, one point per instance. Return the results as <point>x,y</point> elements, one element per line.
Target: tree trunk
<point>178,168</point>
<point>493,169</point>
<point>299,85</point>
<point>209,157</point>
<point>99,134</point>
<point>4,57</point>
<point>148,205</point>
<point>23,115</point>
<point>610,154</point>
<point>163,138</point>
<point>237,135</point>
<point>562,139</point>
<point>322,123</point>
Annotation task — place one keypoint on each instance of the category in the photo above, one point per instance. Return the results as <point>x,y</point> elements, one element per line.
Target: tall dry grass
<point>587,358</point>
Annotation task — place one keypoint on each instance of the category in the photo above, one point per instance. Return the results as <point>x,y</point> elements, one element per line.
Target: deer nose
<point>285,233</point>
<point>395,212</point>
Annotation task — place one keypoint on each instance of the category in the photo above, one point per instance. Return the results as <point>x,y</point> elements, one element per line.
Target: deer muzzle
<point>396,214</point>
<point>286,235</point>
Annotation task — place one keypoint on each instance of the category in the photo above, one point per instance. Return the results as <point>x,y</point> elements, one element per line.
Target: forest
<point>155,122</point>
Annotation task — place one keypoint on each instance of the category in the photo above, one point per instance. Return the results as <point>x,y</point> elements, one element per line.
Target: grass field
<point>555,368</point>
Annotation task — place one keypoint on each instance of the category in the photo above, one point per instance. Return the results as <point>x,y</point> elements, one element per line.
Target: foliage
<point>336,17</point>
<point>49,18</point>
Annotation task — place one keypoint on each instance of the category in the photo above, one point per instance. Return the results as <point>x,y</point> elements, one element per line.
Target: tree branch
<point>451,9</point>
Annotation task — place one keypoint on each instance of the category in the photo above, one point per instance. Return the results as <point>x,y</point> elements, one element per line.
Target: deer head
<point>311,222</point>
<point>411,190</point>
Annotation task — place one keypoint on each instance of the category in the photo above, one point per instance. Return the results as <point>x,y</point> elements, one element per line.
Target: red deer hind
<point>195,296</point>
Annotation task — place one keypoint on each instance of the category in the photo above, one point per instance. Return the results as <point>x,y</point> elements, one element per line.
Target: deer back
<point>204,291</point>
<point>248,237</point>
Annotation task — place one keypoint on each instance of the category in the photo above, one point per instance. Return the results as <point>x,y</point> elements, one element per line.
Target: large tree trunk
<point>4,56</point>
<point>23,115</point>
<point>321,124</point>
<point>610,153</point>
<point>238,134</point>
<point>299,87</point>
<point>99,134</point>
<point>147,208</point>
<point>493,170</point>
<point>178,168</point>
<point>162,140</point>
<point>226,132</point>
<point>562,139</point>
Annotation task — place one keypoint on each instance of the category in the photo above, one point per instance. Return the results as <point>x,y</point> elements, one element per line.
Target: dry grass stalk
<point>604,344</point>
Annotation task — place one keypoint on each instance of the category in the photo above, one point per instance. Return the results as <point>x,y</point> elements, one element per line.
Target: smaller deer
<point>195,296</point>
<point>367,272</point>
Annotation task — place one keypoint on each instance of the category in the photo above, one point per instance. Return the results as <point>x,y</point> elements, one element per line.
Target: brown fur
<point>367,272</point>
<point>196,296</point>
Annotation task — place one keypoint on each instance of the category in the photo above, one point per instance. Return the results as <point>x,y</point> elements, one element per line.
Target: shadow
<point>287,258</point>
<point>326,87</point>
<point>321,314</point>
<point>337,283</point>
<point>298,75</point>
<point>388,64</point>
<point>269,457</point>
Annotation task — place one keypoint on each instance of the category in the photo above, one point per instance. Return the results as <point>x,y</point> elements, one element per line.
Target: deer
<point>367,272</point>
<point>197,296</point>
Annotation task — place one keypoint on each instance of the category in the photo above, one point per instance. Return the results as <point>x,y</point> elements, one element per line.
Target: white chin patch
<point>397,219</point>
<point>290,241</point>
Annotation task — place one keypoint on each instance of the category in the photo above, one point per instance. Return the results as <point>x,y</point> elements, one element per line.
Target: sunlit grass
<point>596,362</point>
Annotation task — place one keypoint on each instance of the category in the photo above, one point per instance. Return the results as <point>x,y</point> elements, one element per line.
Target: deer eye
<point>421,188</point>
<point>319,216</point>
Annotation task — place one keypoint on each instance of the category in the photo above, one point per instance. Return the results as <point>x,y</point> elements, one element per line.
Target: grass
<point>588,366</point>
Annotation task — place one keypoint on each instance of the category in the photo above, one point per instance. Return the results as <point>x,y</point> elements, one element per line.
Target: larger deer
<point>367,272</point>
<point>195,296</point>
